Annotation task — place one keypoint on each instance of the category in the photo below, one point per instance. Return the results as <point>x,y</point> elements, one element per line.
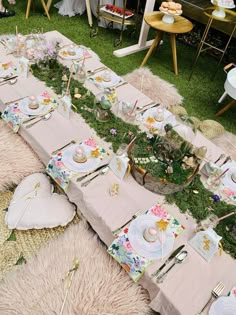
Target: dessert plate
<point>78,53</point>
<point>97,79</point>
<point>89,165</point>
<point>227,178</point>
<point>150,250</point>
<point>149,118</point>
<point>45,104</point>
<point>7,69</point>
<point>225,305</point>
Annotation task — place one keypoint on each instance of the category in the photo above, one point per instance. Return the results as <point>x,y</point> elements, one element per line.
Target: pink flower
<point>229,192</point>
<point>59,164</point>
<point>128,245</point>
<point>159,211</point>
<point>91,143</point>
<point>45,94</point>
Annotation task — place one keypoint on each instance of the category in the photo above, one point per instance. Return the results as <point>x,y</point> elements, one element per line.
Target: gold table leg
<point>224,109</point>
<point>154,45</point>
<point>202,42</point>
<point>45,9</point>
<point>174,53</point>
<point>28,9</point>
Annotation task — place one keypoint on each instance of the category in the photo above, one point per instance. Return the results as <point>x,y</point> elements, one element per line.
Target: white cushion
<point>34,206</point>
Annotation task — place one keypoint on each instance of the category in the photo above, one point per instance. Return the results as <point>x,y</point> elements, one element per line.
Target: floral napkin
<point>7,69</point>
<point>14,116</point>
<point>61,173</point>
<point>122,251</point>
<point>99,81</point>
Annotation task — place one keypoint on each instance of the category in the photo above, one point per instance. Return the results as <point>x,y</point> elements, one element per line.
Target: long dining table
<point>189,286</point>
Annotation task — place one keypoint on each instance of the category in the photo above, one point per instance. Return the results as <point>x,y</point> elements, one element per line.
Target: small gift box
<point>206,243</point>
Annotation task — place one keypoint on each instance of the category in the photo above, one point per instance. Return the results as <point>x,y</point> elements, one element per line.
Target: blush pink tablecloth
<point>188,286</point>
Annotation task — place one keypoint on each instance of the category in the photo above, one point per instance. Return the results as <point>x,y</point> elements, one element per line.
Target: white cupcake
<point>150,234</point>
<point>79,155</point>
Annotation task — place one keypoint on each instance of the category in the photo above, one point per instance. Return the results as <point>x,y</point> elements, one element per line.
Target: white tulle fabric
<point>70,7</point>
<point>73,7</point>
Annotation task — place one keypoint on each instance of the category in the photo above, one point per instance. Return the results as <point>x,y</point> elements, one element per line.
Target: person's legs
<point>12,2</point>
<point>4,12</point>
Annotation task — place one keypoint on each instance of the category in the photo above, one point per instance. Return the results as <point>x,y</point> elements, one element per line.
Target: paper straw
<point>161,245</point>
<point>68,84</point>
<point>16,30</point>
<point>221,218</point>
<point>133,109</point>
<point>215,221</point>
<point>222,174</point>
<point>83,61</point>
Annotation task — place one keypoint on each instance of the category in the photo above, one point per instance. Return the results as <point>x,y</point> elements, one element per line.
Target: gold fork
<point>214,295</point>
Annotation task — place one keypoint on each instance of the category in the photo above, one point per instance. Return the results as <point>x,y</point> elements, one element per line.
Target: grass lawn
<point>200,94</point>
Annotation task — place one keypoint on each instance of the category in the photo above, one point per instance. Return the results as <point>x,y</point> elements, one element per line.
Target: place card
<point>64,106</point>
<point>120,166</point>
<point>23,67</point>
<point>206,243</point>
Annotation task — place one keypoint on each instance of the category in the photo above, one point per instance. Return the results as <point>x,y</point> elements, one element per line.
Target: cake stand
<point>219,11</point>
<point>168,17</point>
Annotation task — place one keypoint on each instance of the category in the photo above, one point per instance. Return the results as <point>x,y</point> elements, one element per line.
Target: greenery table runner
<point>195,198</point>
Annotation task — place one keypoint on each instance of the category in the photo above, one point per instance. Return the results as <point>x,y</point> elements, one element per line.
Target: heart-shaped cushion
<point>35,206</point>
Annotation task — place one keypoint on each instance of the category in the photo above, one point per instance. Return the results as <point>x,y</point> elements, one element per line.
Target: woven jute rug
<point>18,247</point>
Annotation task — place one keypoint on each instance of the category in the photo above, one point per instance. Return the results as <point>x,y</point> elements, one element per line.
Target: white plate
<point>115,79</point>
<point>89,165</point>
<point>168,118</point>
<point>6,73</point>
<point>225,305</point>
<point>227,180</point>
<point>79,52</point>
<point>24,106</point>
<point>144,248</point>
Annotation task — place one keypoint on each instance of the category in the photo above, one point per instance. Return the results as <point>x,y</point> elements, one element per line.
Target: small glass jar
<point>81,73</point>
<point>102,107</point>
<point>159,114</point>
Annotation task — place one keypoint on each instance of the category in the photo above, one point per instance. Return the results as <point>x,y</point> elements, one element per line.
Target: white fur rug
<point>17,160</point>
<point>99,286</point>
<point>159,90</point>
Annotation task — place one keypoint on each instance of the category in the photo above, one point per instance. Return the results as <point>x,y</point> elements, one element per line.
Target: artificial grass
<point>200,94</point>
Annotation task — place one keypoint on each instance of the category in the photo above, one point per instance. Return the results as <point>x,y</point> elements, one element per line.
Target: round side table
<point>180,25</point>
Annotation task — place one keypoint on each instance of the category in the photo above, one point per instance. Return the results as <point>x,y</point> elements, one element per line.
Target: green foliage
<point>12,237</point>
<point>199,202</point>
<point>21,260</point>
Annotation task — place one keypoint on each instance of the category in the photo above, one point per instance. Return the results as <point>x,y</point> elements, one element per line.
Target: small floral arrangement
<point>43,53</point>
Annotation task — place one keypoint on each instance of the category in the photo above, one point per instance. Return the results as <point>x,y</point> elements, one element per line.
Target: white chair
<point>230,88</point>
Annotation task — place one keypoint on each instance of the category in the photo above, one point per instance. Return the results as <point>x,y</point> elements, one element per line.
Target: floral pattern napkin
<point>122,251</point>
<point>61,173</point>
<point>15,117</point>
<point>7,69</point>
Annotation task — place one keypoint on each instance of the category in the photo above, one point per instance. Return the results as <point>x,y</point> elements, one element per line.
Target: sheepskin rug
<point>99,286</point>
<point>160,91</point>
<point>17,160</point>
